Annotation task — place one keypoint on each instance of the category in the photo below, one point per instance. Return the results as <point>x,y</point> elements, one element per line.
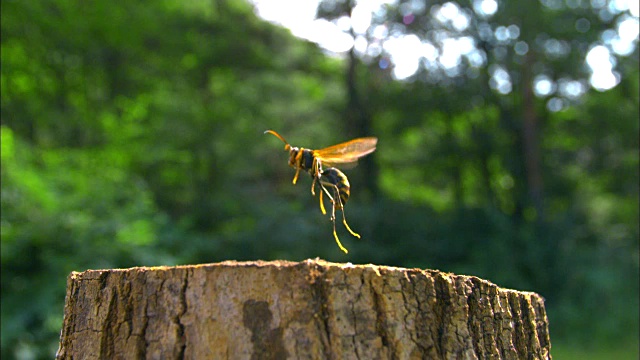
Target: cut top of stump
<point>297,310</point>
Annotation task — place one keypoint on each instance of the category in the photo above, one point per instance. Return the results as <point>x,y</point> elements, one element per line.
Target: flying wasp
<point>312,161</point>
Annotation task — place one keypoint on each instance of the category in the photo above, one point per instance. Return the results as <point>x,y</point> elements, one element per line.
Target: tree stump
<point>297,310</point>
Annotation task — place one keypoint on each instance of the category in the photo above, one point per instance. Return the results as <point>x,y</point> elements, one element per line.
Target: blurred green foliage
<point>132,134</point>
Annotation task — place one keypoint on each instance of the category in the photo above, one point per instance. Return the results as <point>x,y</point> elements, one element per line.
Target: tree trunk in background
<point>530,138</point>
<point>358,121</point>
<point>306,310</point>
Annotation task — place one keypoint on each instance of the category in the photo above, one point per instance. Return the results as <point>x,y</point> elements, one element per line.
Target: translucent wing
<point>346,153</point>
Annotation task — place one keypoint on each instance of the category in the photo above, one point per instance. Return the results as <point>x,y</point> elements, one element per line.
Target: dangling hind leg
<point>335,234</point>
<point>333,219</point>
<point>344,219</point>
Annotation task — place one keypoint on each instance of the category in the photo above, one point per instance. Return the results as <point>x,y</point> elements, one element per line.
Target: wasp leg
<point>335,235</point>
<point>324,190</point>
<point>295,178</point>
<point>344,219</point>
<point>333,216</point>
<point>324,212</point>
<point>317,169</point>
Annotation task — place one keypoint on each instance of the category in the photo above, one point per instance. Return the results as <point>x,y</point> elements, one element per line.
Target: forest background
<point>132,135</point>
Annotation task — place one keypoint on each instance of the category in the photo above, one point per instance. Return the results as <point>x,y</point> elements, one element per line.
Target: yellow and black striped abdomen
<point>333,177</point>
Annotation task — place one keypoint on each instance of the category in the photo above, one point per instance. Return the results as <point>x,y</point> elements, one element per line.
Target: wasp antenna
<point>276,135</point>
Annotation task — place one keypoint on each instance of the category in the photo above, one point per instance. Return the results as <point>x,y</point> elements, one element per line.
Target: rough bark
<point>307,310</point>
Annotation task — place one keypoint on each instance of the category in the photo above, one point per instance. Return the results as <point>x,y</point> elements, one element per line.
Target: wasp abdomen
<point>333,177</point>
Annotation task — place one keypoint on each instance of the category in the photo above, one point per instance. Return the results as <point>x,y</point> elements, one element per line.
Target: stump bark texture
<point>297,310</point>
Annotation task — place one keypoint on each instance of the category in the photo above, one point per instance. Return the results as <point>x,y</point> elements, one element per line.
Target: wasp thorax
<point>293,154</point>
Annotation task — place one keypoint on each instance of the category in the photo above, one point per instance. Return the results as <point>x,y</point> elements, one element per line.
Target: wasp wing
<point>346,153</point>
